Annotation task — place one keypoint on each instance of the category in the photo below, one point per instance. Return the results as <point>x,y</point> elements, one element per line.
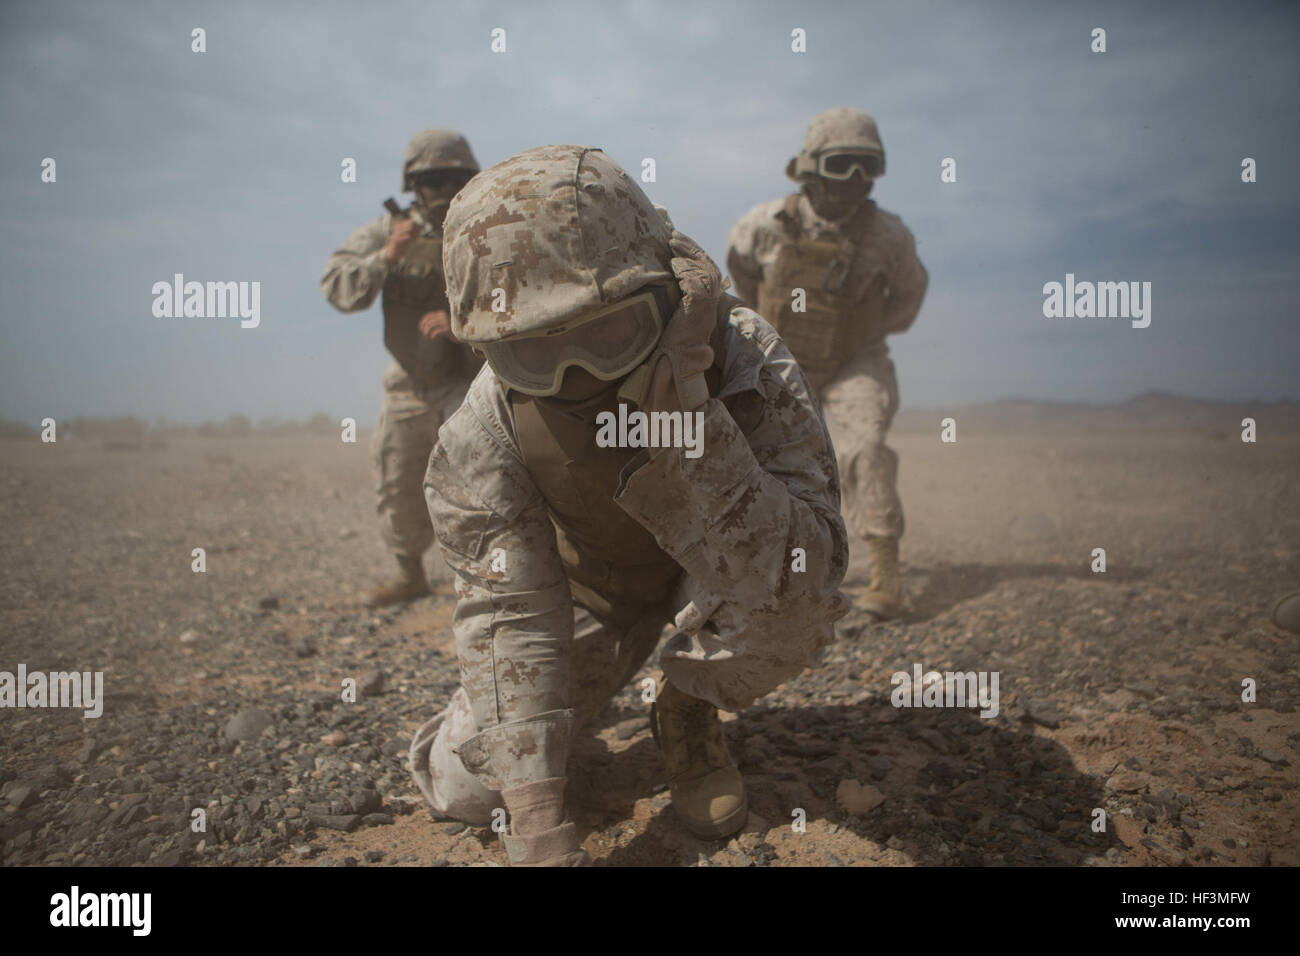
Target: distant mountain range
<point>1149,410</point>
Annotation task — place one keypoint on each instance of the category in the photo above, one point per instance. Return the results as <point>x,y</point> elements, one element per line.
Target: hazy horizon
<point>224,166</point>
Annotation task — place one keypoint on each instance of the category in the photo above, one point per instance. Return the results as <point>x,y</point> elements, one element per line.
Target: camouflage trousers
<point>602,658</point>
<point>408,428</point>
<point>859,406</point>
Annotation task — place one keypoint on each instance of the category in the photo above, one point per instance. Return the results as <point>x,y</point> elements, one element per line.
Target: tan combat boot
<point>539,834</point>
<point>885,597</point>
<point>409,585</point>
<point>708,791</point>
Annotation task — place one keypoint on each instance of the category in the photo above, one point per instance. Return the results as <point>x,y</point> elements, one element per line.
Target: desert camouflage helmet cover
<point>559,230</point>
<point>436,149</point>
<point>840,128</point>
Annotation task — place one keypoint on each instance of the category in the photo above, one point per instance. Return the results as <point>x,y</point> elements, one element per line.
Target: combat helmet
<point>436,149</point>
<point>839,132</point>
<point>551,233</point>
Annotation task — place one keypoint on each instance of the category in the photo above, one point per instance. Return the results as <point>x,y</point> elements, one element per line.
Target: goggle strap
<point>636,385</point>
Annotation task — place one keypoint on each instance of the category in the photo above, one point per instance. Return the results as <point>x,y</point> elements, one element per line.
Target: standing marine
<point>574,553</point>
<point>835,274</point>
<point>399,255</point>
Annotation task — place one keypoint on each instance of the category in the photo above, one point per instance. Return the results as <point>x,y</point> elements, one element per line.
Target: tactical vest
<point>610,559</point>
<point>836,322</point>
<point>614,565</point>
<point>416,286</point>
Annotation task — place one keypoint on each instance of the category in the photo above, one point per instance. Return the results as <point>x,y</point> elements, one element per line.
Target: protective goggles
<point>840,164</point>
<point>609,343</point>
<point>437,178</point>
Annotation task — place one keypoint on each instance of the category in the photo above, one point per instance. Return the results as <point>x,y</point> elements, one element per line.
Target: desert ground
<point>1120,691</point>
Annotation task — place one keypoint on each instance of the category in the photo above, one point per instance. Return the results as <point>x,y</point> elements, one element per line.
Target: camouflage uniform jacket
<point>886,256</point>
<point>355,273</point>
<point>765,485</point>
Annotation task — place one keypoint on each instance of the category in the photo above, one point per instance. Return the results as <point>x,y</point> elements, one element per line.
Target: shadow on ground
<point>957,790</point>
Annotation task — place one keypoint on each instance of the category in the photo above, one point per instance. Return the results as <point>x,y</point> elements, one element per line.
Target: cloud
<point>1122,165</point>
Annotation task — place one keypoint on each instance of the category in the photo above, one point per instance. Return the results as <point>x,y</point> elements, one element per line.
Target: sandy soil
<point>1120,691</point>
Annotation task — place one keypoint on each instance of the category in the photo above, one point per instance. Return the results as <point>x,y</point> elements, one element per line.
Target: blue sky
<point>225,166</point>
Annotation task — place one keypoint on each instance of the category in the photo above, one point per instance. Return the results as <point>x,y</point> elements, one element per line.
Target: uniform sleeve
<point>493,529</point>
<point>742,261</point>
<point>734,516</point>
<point>908,281</point>
<point>356,272</point>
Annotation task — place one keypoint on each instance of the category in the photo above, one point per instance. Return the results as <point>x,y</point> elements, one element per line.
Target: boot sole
<point>732,823</point>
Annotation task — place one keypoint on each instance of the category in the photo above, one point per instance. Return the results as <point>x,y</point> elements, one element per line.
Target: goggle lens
<point>608,343</point>
<point>444,177</point>
<point>842,165</point>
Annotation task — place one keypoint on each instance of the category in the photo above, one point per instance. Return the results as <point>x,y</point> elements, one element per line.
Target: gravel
<point>1106,700</point>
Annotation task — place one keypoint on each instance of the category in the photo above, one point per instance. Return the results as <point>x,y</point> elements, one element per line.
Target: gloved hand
<point>403,234</point>
<point>435,324</point>
<point>672,379</point>
<point>701,605</point>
